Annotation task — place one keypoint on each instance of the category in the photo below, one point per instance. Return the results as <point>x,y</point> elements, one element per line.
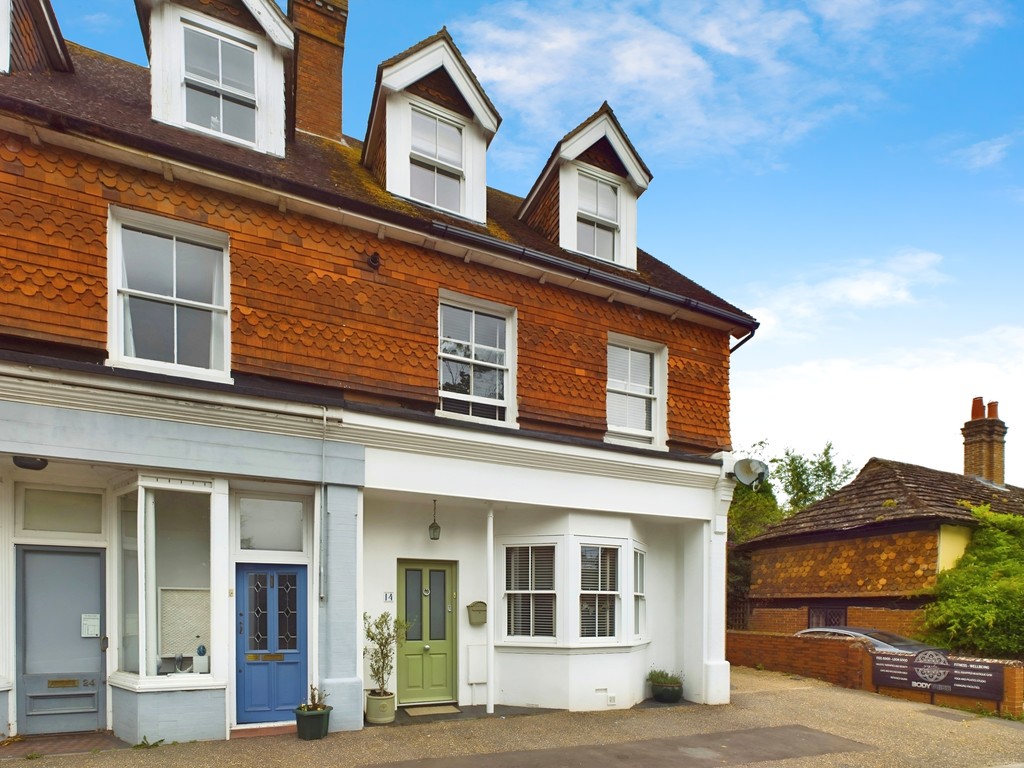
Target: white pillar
<point>490,610</point>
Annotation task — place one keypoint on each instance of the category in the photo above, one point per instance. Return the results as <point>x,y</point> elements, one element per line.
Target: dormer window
<point>215,78</point>
<point>435,162</point>
<point>220,85</point>
<point>430,124</point>
<point>585,198</point>
<point>597,222</point>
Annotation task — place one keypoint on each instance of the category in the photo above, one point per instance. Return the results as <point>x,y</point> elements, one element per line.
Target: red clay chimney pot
<point>978,409</point>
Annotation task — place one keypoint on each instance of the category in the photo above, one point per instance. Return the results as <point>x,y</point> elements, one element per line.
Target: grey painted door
<point>61,638</point>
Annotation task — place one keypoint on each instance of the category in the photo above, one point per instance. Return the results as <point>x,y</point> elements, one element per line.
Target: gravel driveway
<point>774,720</point>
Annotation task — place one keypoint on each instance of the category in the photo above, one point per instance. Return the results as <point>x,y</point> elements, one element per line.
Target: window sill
<point>475,419</point>
<point>184,372</point>
<point>183,681</point>
<point>571,649</point>
<point>634,441</point>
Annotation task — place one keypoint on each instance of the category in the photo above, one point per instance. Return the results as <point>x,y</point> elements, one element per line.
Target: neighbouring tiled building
<point>869,554</point>
<point>247,362</point>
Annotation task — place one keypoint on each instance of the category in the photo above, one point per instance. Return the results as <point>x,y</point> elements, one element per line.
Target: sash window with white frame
<point>473,363</point>
<point>599,590</point>
<point>631,392</point>
<point>220,84</point>
<point>436,165</point>
<point>171,309</point>
<point>639,593</point>
<point>530,590</point>
<point>597,222</point>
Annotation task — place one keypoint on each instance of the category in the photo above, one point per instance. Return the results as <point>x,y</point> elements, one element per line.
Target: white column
<point>490,609</point>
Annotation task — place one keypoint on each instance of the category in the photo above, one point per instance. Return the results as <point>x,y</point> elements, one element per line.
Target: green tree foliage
<point>752,511</point>
<point>979,603</point>
<point>806,480</point>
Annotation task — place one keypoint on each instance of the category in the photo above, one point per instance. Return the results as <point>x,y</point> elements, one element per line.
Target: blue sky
<point>850,172</point>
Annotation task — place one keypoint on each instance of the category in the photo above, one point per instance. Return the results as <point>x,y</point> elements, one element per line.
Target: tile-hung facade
<point>246,360</point>
<point>869,555</point>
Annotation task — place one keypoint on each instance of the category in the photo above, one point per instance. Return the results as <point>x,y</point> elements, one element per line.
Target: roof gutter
<point>588,273</point>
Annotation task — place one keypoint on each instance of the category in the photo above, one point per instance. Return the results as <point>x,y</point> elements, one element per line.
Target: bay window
<point>530,591</point>
<point>599,591</point>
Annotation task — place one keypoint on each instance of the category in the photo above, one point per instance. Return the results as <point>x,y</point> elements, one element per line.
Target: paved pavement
<point>774,721</point>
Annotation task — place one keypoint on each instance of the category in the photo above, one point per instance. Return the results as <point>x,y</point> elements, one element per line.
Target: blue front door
<point>271,648</point>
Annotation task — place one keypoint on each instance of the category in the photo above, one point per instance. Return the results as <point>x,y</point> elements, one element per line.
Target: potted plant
<point>313,717</point>
<point>666,687</point>
<point>383,636</point>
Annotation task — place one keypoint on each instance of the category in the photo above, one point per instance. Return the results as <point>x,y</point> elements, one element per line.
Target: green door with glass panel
<point>426,661</point>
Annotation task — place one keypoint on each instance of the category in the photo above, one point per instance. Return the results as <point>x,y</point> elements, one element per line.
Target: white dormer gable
<point>596,176</point>
<point>434,139</point>
<point>219,79</point>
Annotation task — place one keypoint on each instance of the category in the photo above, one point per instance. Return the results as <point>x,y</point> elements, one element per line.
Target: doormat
<point>444,709</point>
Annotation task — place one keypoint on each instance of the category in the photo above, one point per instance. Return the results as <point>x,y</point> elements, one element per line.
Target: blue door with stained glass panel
<point>271,649</point>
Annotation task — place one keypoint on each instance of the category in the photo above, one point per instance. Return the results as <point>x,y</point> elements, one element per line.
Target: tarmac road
<point>774,721</point>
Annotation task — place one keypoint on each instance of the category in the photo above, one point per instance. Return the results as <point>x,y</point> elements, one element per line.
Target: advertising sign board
<point>932,670</point>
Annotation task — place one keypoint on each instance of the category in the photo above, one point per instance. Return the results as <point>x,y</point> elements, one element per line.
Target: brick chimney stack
<point>984,442</point>
<point>319,51</point>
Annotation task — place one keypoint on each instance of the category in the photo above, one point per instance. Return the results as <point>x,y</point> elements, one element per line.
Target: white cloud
<point>908,404</point>
<point>804,308</point>
<point>984,154</point>
<point>688,79</point>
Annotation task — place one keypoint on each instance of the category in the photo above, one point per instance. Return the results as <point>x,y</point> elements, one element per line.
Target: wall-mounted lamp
<point>29,462</point>
<point>434,529</point>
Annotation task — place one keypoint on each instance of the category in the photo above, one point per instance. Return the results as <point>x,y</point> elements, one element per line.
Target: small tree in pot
<point>383,636</point>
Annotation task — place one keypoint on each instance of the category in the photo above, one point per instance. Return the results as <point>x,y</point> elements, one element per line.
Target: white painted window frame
<point>221,581</point>
<point>167,65</point>
<point>559,592</point>
<point>473,192</point>
<point>119,217</point>
<point>569,212</point>
<point>277,557</point>
<point>657,438</point>
<point>556,620</point>
<point>511,359</point>
<point>64,538</point>
<point>600,543</point>
<point>639,586</point>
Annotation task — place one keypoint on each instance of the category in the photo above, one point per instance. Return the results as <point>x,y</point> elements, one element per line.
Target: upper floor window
<point>170,308</point>
<point>220,84</point>
<point>215,78</point>
<point>435,167</point>
<point>631,394</point>
<point>475,361</point>
<point>599,591</point>
<point>597,222</point>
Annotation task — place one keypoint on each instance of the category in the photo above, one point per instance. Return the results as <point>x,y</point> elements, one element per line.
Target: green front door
<point>426,661</point>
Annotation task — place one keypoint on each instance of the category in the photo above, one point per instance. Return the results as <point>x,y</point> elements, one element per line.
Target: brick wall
<point>902,622</point>
<point>837,661</point>
<point>783,620</point>
<point>792,619</point>
<point>893,564</point>
<point>307,307</point>
<point>848,663</point>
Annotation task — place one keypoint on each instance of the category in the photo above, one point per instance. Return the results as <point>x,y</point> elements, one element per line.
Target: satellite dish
<point>750,472</point>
